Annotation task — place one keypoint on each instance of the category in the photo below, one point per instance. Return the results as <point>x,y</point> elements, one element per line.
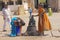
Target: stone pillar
<point>18,10</point>
<point>30,3</point>
<point>14,2</point>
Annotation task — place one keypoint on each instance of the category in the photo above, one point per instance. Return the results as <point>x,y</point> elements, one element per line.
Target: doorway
<point>19,2</point>
<point>36,3</point>
<point>1,5</point>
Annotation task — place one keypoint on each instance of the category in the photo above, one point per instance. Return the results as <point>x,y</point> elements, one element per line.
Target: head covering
<point>14,18</point>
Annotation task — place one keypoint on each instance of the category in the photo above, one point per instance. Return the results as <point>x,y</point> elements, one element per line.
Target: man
<point>6,16</point>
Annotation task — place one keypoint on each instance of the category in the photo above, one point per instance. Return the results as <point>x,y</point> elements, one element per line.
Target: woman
<point>43,22</point>
<point>16,26</point>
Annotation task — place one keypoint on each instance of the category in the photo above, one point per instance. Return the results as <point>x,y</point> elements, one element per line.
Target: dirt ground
<point>55,23</point>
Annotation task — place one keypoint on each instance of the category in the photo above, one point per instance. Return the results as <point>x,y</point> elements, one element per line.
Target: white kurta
<point>6,13</point>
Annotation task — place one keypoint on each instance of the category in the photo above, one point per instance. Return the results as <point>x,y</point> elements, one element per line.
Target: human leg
<point>4,25</point>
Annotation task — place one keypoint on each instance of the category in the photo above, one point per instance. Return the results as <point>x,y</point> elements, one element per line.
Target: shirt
<point>6,12</point>
<point>30,10</point>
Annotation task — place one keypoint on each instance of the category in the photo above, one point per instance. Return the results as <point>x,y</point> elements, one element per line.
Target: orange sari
<point>43,21</point>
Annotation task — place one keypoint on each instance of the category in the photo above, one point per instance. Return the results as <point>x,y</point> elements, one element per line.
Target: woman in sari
<point>43,21</point>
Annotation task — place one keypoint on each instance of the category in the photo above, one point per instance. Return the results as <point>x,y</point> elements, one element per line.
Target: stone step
<point>56,33</point>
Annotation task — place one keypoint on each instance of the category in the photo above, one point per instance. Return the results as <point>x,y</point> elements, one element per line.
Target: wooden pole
<point>18,10</point>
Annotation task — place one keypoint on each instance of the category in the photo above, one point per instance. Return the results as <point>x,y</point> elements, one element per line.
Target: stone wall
<point>53,4</point>
<point>58,5</point>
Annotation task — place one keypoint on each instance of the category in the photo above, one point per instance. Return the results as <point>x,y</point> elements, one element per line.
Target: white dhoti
<point>7,20</point>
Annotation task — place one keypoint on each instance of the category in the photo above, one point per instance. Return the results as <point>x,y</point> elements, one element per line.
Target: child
<point>30,11</point>
<point>50,11</point>
<point>6,15</point>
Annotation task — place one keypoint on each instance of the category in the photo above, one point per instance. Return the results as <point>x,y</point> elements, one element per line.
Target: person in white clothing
<point>25,4</point>
<point>6,16</point>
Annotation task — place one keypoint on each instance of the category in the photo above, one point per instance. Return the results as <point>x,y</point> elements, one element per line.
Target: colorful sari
<point>43,21</point>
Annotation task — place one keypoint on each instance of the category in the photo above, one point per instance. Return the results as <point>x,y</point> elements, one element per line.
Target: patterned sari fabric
<point>43,21</point>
